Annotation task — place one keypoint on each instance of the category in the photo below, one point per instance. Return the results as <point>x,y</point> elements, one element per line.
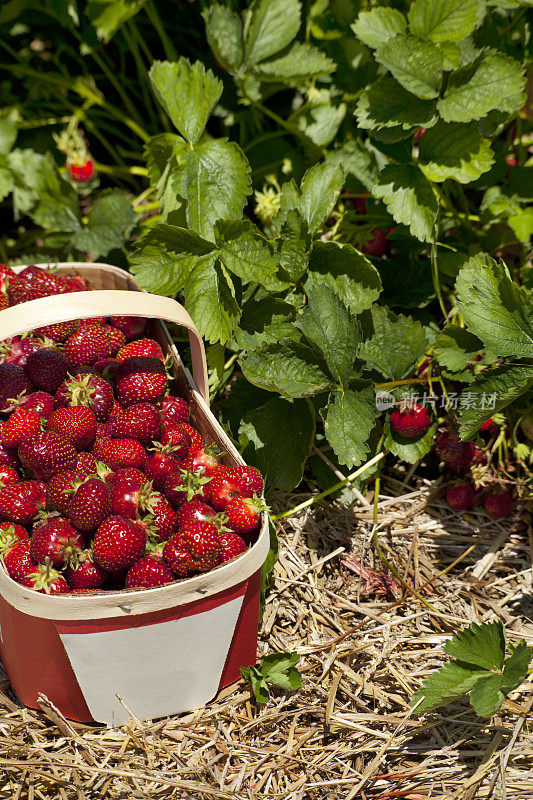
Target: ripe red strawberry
<point>202,541</point>
<point>21,424</point>
<point>184,438</point>
<point>19,502</point>
<point>185,486</point>
<point>85,465</point>
<point>46,369</point>
<point>499,503</point>
<point>60,489</point>
<point>127,474</point>
<point>222,488</point>
<point>173,411</point>
<point>6,275</point>
<point>243,514</point>
<point>77,424</point>
<point>116,339</point>
<point>8,475</point>
<point>127,496</point>
<point>232,545</point>
<point>250,479</point>
<point>119,542</point>
<point>131,327</point>
<point>411,422</point>
<point>10,534</point>
<point>83,573</point>
<point>104,431</point>
<point>17,560</point>
<point>160,520</point>
<point>140,379</point>
<point>40,402</point>
<point>178,558</point>
<point>148,572</point>
<point>456,453</point>
<point>88,345</point>
<point>4,302</point>
<point>21,290</point>
<point>489,427</point>
<point>89,505</point>
<point>75,283</point>
<point>461,497</point>
<point>46,580</point>
<point>38,276</point>
<point>106,367</point>
<point>204,460</point>
<point>55,539</point>
<point>8,456</point>
<point>81,172</point>
<point>17,349</point>
<point>58,332</point>
<point>161,465</point>
<point>194,511</point>
<point>47,454</point>
<point>140,421</point>
<point>120,453</point>
<point>141,347</point>
<point>377,244</point>
<point>13,382</point>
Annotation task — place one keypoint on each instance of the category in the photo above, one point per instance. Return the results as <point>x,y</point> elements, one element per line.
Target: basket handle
<point>23,317</point>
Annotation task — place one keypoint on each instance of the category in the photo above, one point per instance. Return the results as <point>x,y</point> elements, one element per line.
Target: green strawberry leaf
<point>266,321</point>
<point>516,667</point>
<point>444,20</point>
<point>378,25</point>
<point>480,645</point>
<point>277,438</point>
<point>318,193</point>
<point>258,683</point>
<point>8,131</point>
<point>492,391</point>
<point>493,81</point>
<point>108,16</point>
<point>386,104</point>
<point>455,347</point>
<point>348,422</point>
<point>279,669</point>
<point>318,121</point>
<point>449,683</point>
<point>327,324</point>
<point>410,450</point>
<point>210,301</point>
<point>342,268</point>
<point>355,159</point>
<point>57,206</point>
<point>409,197</point>
<point>394,344</point>
<point>293,246</point>
<point>288,367</point>
<point>486,695</point>
<point>188,93</point>
<point>108,223</point>
<point>270,26</point>
<point>416,64</point>
<point>245,252</point>
<point>297,65</point>
<point>25,166</point>
<point>495,309</point>
<point>224,33</point>
<point>452,150</point>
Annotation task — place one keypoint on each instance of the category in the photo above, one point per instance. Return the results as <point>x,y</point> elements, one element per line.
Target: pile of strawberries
<point>104,483</point>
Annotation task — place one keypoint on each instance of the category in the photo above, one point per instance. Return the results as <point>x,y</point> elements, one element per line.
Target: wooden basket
<point>161,651</point>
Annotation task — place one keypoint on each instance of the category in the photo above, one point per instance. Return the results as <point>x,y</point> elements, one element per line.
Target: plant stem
<point>155,19</point>
<point>435,274</point>
<point>331,489</point>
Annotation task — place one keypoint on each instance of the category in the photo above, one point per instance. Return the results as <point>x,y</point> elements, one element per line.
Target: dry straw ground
<point>365,648</point>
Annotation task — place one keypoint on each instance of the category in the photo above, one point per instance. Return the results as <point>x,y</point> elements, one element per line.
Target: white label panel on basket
<point>158,669</point>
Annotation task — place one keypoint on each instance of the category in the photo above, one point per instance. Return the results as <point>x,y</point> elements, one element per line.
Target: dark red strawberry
<point>489,427</point>
<point>456,453</point>
<point>17,349</point>
<point>21,290</point>
<point>38,276</point>
<point>57,332</point>
<point>140,421</point>
<point>205,460</point>
<point>160,519</point>
<point>127,496</point>
<point>160,466</point>
<point>88,345</point>
<point>250,479</point>
<point>6,275</point>
<point>76,424</point>
<point>202,541</point>
<point>55,539</point>
<point>46,369</point>
<point>104,431</point>
<point>89,505</point>
<point>120,453</point>
<point>43,578</point>
<point>140,379</point>
<point>148,572</point>
<point>173,411</point>
<point>131,327</point>
<point>119,542</point>
<point>81,172</point>
<point>376,245</point>
<point>462,496</point>
<point>13,382</point>
<point>83,573</point>
<point>21,424</point>
<point>116,339</point>
<point>411,422</point>
<point>141,347</point>
<point>47,454</point>
<point>85,465</point>
<point>194,511</point>
<point>75,283</point>
<point>178,558</point>
<point>87,390</point>
<point>243,514</point>
<point>499,503</point>
<point>60,489</point>
<point>8,475</point>
<point>4,302</point>
<point>81,323</point>
<point>40,402</point>
<point>10,534</point>
<point>19,502</point>
<point>185,486</point>
<point>222,488</point>
<point>18,561</point>
<point>232,545</point>
<point>106,367</point>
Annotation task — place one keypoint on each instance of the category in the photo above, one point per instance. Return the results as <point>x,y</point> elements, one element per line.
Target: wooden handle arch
<point>21,318</point>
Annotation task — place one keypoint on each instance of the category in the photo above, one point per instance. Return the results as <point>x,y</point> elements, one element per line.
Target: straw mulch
<point>365,647</point>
